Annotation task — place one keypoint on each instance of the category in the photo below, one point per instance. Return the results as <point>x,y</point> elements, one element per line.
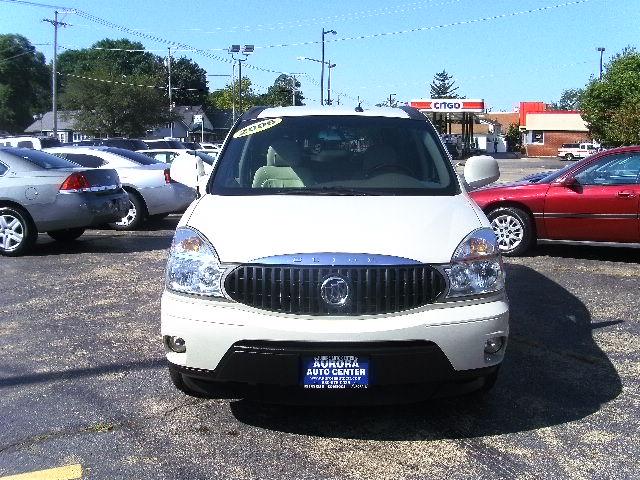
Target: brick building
<point>544,131</point>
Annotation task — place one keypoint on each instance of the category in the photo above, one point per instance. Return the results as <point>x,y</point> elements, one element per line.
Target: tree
<point>188,82</point>
<point>24,83</point>
<point>513,138</point>
<point>227,97</point>
<point>116,58</point>
<point>114,109</point>
<point>280,94</point>
<point>443,86</point>
<point>611,106</point>
<point>102,84</point>
<point>569,100</point>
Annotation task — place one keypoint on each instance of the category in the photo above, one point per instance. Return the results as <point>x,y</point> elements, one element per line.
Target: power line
<point>36,4</point>
<point>432,27</point>
<point>102,80</point>
<point>317,20</point>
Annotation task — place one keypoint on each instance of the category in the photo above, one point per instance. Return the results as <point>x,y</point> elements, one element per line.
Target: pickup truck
<point>571,151</point>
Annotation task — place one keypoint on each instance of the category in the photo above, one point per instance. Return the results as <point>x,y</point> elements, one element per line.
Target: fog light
<point>176,344</point>
<point>493,345</point>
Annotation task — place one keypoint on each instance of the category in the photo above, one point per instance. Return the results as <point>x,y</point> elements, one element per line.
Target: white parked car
<point>332,254</point>
<point>152,192</point>
<point>36,143</point>
<point>165,155</point>
<point>573,151</point>
<point>184,165</point>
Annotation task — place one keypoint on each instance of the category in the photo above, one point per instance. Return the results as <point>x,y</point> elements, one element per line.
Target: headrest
<point>378,155</point>
<point>284,153</point>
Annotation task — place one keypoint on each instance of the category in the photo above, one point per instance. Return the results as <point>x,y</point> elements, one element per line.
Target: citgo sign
<point>449,105</point>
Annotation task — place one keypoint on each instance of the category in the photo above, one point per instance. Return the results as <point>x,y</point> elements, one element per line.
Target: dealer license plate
<point>326,372</point>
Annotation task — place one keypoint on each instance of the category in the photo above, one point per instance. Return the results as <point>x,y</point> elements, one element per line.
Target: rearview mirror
<point>480,170</point>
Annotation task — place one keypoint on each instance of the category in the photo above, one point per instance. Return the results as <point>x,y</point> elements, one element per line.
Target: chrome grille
<point>296,289</point>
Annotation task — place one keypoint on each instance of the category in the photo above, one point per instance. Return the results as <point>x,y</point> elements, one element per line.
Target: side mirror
<point>480,170</point>
<point>199,167</point>
<point>570,182</point>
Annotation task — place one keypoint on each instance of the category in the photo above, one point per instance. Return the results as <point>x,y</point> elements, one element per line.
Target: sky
<point>502,51</point>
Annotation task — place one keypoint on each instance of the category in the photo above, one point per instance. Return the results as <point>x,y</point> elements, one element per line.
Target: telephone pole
<point>54,72</point>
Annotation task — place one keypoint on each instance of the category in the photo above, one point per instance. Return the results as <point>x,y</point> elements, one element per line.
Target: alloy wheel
<point>129,218</point>
<point>509,231</point>
<point>11,232</point>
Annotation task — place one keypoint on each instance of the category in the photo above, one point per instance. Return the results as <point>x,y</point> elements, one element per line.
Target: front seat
<point>283,167</point>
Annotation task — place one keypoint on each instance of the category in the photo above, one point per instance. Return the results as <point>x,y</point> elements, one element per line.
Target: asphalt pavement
<point>83,380</point>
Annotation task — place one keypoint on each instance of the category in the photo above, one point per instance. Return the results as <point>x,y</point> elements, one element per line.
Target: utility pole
<point>54,73</point>
<point>170,95</point>
<point>390,99</point>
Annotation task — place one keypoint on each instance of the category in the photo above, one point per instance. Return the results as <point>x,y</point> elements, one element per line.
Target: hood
<point>517,183</point>
<point>246,228</point>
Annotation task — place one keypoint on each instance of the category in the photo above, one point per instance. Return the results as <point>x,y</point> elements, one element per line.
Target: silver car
<point>152,191</point>
<point>43,193</point>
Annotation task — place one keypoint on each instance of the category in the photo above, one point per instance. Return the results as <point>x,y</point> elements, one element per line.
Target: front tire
<point>66,235</point>
<point>568,157</point>
<point>513,228</point>
<point>17,231</point>
<point>134,217</point>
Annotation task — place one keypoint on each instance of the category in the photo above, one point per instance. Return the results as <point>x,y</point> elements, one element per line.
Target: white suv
<point>335,254</point>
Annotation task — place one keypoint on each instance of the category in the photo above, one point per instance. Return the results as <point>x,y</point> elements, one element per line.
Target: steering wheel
<point>392,167</point>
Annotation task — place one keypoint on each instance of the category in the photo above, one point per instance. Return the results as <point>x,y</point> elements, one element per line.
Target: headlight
<point>476,266</point>
<point>193,265</point>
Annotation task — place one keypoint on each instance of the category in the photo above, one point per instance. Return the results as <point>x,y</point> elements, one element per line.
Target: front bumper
<point>229,342</point>
<point>80,210</point>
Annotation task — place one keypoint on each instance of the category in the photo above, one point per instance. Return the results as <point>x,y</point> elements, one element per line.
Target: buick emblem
<point>335,291</point>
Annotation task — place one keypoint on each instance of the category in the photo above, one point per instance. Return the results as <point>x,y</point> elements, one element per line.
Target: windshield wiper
<point>327,191</point>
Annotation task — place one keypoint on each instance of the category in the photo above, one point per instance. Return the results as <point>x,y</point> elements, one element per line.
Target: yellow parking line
<point>68,472</point>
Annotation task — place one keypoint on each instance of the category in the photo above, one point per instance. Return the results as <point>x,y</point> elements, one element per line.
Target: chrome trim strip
<point>333,259</point>
<point>588,243</point>
<point>92,189</point>
<point>591,215</point>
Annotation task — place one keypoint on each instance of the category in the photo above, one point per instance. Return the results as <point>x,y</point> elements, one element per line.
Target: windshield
<point>339,155</point>
<point>137,157</point>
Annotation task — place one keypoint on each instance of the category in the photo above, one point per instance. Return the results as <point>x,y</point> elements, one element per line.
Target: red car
<point>596,199</point>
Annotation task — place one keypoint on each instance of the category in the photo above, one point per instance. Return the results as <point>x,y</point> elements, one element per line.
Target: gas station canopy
<point>445,111</point>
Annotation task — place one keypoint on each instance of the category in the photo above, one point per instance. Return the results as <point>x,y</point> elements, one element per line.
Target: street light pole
<point>601,50</point>
<point>329,66</point>
<point>324,32</point>
<point>233,91</point>
<point>293,92</point>
<point>246,50</point>
<point>170,95</point>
